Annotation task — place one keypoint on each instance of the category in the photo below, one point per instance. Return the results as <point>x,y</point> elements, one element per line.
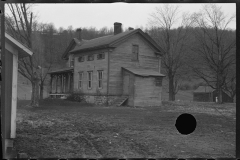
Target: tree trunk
<point>41,90</point>
<point>220,96</point>
<point>35,93</point>
<point>171,88</point>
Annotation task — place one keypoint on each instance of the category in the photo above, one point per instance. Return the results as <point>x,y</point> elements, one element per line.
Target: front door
<point>126,85</point>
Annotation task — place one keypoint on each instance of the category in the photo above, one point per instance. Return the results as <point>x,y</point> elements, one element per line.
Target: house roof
<point>144,72</point>
<point>23,51</point>
<point>204,89</point>
<point>111,40</point>
<point>62,70</point>
<point>71,45</point>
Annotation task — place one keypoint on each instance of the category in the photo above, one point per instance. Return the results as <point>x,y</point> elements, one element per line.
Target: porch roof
<point>62,70</point>
<point>144,72</point>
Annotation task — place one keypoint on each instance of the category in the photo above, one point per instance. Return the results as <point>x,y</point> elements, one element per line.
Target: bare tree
<point>230,85</point>
<point>215,48</point>
<point>171,32</point>
<point>19,23</point>
<point>43,57</point>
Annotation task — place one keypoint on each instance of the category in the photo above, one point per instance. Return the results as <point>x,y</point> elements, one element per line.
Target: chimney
<point>117,28</point>
<point>130,28</point>
<point>79,33</point>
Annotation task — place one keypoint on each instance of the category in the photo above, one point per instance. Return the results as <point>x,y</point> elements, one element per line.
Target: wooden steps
<point>120,101</point>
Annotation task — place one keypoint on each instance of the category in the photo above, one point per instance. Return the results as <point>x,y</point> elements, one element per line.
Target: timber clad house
<point>113,69</point>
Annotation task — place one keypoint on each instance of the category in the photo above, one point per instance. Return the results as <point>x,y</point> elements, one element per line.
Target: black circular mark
<point>186,123</point>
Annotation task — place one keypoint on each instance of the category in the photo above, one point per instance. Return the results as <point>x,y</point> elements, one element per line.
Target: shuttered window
<point>90,58</point>
<point>100,79</point>
<point>101,56</point>
<point>80,80</point>
<point>135,50</point>
<point>90,80</point>
<point>81,59</point>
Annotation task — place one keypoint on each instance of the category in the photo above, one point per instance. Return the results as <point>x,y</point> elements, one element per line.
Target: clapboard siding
<point>94,66</point>
<point>146,92</point>
<point>121,57</point>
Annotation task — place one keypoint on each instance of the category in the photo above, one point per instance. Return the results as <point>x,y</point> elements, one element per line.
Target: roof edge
<point>91,49</point>
<point>143,75</point>
<point>66,52</point>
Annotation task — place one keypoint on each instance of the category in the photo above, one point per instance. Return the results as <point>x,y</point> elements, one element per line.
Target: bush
<point>75,97</point>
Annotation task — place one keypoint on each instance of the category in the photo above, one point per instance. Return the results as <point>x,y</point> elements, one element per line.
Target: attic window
<point>135,49</point>
<point>158,81</point>
<point>101,56</point>
<point>90,58</point>
<point>81,59</point>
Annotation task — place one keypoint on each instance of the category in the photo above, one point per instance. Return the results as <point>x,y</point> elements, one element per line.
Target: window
<point>158,81</point>
<point>72,61</point>
<point>100,79</point>
<point>90,80</point>
<point>81,59</point>
<point>101,56</point>
<point>135,52</point>
<point>90,58</point>
<point>80,80</point>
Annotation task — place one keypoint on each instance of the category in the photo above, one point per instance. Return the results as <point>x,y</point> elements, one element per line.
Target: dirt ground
<point>62,129</point>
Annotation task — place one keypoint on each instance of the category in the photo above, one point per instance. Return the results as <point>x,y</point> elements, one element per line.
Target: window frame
<point>83,58</point>
<point>90,79</point>
<point>100,81</point>
<point>88,59</point>
<point>71,61</point>
<point>135,52</point>
<point>103,56</point>
<point>80,81</point>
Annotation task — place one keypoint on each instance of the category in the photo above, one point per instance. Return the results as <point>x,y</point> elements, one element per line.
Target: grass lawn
<point>62,129</point>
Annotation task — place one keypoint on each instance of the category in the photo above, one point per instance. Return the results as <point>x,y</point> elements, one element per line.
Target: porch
<point>61,83</point>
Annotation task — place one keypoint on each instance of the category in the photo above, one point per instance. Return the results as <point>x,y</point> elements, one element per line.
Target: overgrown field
<point>62,129</point>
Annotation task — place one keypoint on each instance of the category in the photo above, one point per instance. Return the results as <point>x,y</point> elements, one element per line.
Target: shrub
<point>75,97</point>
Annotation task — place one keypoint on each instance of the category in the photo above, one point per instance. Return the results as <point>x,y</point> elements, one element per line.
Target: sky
<point>104,14</point>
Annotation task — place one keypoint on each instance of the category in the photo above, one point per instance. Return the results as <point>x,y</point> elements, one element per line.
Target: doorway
<point>126,85</point>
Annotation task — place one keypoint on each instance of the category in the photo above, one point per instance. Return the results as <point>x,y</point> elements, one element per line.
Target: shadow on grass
<point>62,103</point>
<point>53,104</point>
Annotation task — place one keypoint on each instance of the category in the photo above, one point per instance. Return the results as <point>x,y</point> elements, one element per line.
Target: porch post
<point>56,82</point>
<point>51,84</point>
<point>59,79</point>
<point>64,81</point>
<point>69,78</point>
<point>62,84</point>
